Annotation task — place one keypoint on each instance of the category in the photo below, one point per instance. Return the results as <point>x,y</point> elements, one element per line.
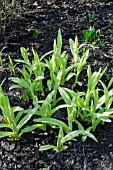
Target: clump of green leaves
<point>35,33</point>
<point>91,106</point>
<point>32,75</point>
<point>61,139</point>
<point>14,119</point>
<point>93,36</point>
<point>79,61</point>
<point>45,109</point>
<point>33,72</point>
<point>58,69</point>
<point>60,73</point>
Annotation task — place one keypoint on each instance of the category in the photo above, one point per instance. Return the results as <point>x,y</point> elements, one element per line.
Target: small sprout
<point>1,54</point>
<point>11,66</point>
<point>91,19</point>
<point>35,33</point>
<point>51,24</point>
<point>93,36</point>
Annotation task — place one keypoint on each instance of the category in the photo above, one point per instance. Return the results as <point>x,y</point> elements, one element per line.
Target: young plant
<point>91,19</point>
<point>32,75</point>
<point>93,36</point>
<point>14,119</point>
<point>45,109</point>
<point>68,96</point>
<point>61,139</point>
<point>35,33</point>
<point>89,106</point>
<point>30,86</point>
<point>57,65</point>
<point>1,53</point>
<point>11,66</point>
<point>78,61</point>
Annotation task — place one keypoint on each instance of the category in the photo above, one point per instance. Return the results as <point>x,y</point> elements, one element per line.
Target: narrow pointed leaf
<point>26,118</point>
<point>46,147</point>
<point>53,122</point>
<point>5,134</point>
<point>71,135</point>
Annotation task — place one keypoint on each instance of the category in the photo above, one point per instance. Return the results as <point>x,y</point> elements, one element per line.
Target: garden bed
<point>73,18</point>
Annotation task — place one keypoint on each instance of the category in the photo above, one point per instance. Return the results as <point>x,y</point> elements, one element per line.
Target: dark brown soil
<point>48,16</point>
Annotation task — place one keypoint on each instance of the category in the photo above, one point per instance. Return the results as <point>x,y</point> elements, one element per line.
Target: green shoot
<point>11,66</point>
